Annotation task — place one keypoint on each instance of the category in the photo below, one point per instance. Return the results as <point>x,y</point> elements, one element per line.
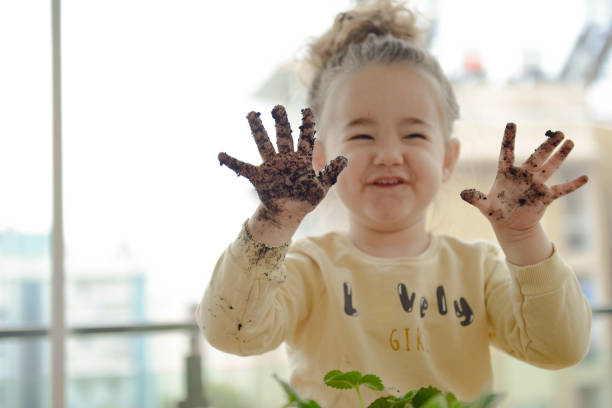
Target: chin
<point>390,213</point>
<point>385,216</point>
<point>389,222</point>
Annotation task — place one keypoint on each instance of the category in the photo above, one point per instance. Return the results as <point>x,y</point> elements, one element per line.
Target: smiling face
<point>387,121</point>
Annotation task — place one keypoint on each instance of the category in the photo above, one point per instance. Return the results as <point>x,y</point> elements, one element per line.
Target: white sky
<point>153,90</point>
<point>502,30</point>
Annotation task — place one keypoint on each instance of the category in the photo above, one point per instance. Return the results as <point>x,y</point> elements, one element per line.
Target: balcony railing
<point>40,331</point>
<point>194,397</point>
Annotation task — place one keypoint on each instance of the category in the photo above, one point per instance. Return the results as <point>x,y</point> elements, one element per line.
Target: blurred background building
<point>114,371</point>
<point>148,104</point>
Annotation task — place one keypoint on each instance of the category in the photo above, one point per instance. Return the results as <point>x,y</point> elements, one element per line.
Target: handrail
<point>193,368</point>
<point>605,309</point>
<point>40,331</point>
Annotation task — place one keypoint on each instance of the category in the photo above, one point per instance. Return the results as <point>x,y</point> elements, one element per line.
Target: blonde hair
<point>374,32</point>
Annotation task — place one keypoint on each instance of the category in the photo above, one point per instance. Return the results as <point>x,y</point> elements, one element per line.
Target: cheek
<point>348,176</point>
<point>357,162</point>
<point>351,177</point>
<point>428,166</point>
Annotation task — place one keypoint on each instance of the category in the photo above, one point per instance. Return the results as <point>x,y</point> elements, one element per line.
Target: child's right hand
<point>286,182</point>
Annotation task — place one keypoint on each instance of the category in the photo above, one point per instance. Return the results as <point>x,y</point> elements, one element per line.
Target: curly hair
<point>374,32</point>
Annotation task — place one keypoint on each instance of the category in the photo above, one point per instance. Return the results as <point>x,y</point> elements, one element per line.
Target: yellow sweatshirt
<point>417,321</point>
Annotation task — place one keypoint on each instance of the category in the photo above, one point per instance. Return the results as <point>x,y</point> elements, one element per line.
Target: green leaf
<point>450,398</point>
<point>402,404</point>
<point>382,402</point>
<point>393,402</point>
<point>409,395</point>
<point>452,401</point>
<point>437,401</point>
<point>457,404</point>
<point>486,401</point>
<point>342,381</point>
<point>308,404</point>
<point>372,382</point>
<point>294,399</point>
<point>424,397</point>
<point>289,391</point>
<point>423,394</point>
<point>332,374</point>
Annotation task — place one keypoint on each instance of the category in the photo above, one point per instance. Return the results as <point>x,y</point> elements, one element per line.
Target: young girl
<point>388,297</point>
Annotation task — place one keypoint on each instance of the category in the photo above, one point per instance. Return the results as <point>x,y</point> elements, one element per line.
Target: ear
<point>318,156</point>
<point>451,156</point>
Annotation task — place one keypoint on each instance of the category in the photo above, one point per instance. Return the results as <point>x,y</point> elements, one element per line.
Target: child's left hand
<point>518,198</point>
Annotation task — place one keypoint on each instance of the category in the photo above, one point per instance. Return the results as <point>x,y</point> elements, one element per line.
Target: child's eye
<point>357,137</point>
<point>415,135</point>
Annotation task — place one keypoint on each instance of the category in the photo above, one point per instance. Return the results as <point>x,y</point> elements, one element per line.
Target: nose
<point>388,154</point>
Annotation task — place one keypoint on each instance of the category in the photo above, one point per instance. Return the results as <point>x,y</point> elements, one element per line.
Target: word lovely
<point>463,310</point>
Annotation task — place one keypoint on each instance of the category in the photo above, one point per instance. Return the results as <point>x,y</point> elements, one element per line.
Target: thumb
<point>329,175</point>
<point>241,168</point>
<point>476,198</point>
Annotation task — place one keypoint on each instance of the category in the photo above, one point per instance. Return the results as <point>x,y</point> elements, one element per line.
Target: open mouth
<point>388,182</point>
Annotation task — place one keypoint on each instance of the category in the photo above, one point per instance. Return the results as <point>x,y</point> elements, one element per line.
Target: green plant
<point>294,399</point>
<point>424,397</point>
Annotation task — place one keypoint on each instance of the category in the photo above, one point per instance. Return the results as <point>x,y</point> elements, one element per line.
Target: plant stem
<point>359,395</point>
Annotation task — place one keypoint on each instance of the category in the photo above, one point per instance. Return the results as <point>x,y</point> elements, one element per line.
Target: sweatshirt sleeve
<point>537,313</point>
<point>256,297</point>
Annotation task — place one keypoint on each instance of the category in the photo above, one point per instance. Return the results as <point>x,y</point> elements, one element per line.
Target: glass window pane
<point>126,370</point>
<point>150,371</point>
<point>138,133</point>
<point>150,103</point>
<point>25,161</point>
<point>25,206</point>
<point>24,373</point>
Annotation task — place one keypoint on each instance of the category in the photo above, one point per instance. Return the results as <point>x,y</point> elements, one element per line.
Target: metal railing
<point>41,331</point>
<point>194,398</point>
<point>599,310</point>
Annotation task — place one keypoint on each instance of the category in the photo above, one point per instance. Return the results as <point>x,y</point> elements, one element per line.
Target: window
<point>151,92</point>
<point>25,207</point>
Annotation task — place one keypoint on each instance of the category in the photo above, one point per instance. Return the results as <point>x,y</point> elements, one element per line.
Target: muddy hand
<point>286,176</point>
<point>519,195</point>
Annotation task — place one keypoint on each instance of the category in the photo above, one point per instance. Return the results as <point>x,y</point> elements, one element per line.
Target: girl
<point>388,297</point>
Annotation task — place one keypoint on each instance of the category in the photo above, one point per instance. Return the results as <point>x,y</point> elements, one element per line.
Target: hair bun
<point>378,17</point>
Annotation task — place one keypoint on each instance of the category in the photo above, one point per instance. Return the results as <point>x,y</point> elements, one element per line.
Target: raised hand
<point>285,181</point>
<point>519,196</point>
